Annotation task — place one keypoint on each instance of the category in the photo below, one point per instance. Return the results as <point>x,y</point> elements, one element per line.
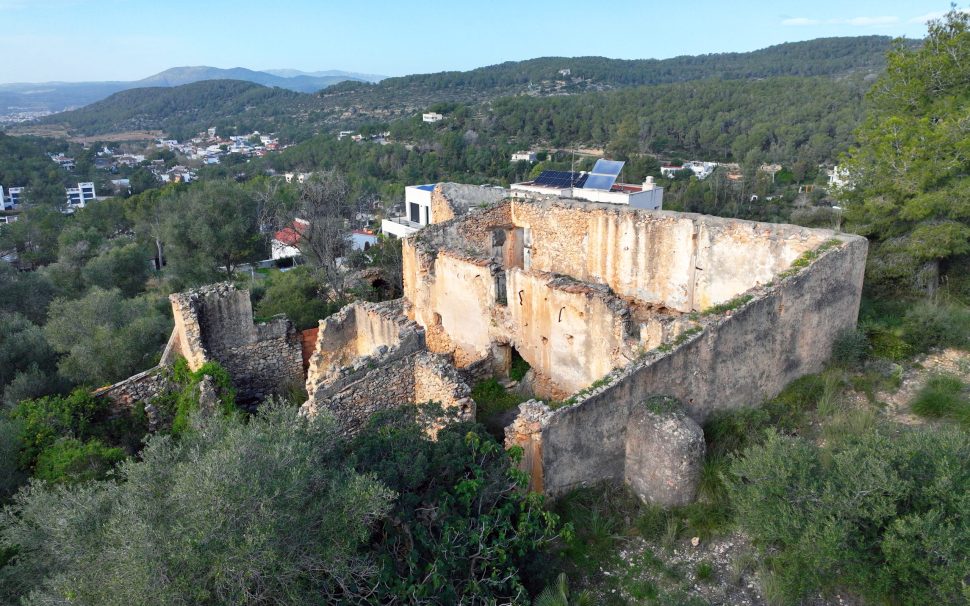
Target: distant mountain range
<point>24,99</point>
<point>238,106</point>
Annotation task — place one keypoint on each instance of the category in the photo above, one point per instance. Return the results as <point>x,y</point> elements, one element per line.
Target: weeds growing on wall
<point>180,403</point>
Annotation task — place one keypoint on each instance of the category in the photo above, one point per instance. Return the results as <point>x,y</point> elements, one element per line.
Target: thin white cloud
<point>853,21</point>
<point>927,17</point>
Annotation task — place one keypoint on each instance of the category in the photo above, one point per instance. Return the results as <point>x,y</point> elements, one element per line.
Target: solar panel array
<point>599,182</point>
<point>604,174</point>
<point>560,179</point>
<point>608,167</point>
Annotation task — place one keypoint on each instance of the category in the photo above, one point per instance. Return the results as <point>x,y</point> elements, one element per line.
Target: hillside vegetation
<point>352,103</point>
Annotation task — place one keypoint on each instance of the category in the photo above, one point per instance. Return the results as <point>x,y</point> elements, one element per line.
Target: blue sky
<point>81,40</point>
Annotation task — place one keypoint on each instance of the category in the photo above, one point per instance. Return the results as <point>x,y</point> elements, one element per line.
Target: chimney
<point>649,184</point>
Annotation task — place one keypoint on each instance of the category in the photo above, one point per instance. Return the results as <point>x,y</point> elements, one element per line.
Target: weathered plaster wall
<point>740,359</point>
<point>452,298</point>
<point>684,261</point>
<point>568,330</point>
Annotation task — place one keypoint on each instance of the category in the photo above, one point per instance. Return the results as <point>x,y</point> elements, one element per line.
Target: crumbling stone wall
<point>125,395</point>
<point>740,358</point>
<point>215,322</point>
<point>358,338</point>
<point>450,200</point>
<point>369,358</point>
<point>664,453</point>
<point>436,380</point>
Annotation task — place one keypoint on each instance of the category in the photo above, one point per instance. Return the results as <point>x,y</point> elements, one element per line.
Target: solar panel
<point>560,179</point>
<point>599,182</point>
<point>604,174</point>
<point>608,167</point>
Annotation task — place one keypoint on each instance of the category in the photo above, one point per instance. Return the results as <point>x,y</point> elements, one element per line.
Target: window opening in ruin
<point>498,245</point>
<point>501,289</point>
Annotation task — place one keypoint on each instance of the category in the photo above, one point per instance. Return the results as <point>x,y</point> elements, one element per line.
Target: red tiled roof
<point>290,235</point>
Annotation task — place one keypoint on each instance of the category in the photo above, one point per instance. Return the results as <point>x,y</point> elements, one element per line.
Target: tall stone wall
<point>355,340</point>
<point>739,359</point>
<point>569,330</point>
<point>683,261</point>
<point>215,322</point>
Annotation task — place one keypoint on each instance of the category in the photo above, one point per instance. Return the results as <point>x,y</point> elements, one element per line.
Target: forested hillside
<point>183,110</point>
<point>297,117</point>
<point>823,56</point>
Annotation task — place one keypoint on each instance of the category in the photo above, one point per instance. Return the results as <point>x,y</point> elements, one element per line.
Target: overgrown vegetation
<point>880,513</point>
<point>492,401</point>
<point>281,508</point>
<point>944,397</point>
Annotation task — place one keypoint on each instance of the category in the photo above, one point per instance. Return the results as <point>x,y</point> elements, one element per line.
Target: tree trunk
<point>161,259</point>
<point>928,278</point>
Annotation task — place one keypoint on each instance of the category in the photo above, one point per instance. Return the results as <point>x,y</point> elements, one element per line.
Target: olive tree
<point>265,512</point>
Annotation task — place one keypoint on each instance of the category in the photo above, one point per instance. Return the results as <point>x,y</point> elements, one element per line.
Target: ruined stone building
<point>609,305</point>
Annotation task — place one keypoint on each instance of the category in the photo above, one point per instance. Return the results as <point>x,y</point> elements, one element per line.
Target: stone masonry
<point>608,305</point>
<point>215,322</point>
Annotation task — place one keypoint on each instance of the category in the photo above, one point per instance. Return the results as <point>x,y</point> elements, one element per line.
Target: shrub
<point>704,571</point>
<point>943,397</point>
<point>491,400</point>
<point>11,477</point>
<point>298,294</point>
<point>182,403</point>
<point>883,514</point>
<point>850,348</point>
<point>519,367</point>
<point>927,325</point>
<point>69,460</point>
<point>264,512</point>
<point>44,420</point>
<point>462,526</point>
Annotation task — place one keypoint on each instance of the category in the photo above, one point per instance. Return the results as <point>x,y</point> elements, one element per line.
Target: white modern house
<point>78,197</point>
<point>524,156</point>
<point>417,209</point>
<point>598,185</point>
<point>14,197</point>
<point>838,178</point>
<point>432,117</point>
